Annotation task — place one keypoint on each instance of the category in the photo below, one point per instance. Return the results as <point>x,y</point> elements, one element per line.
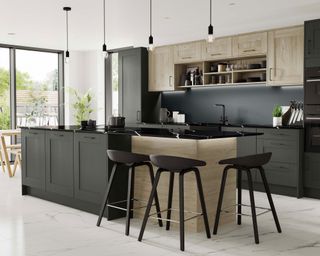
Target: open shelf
<point>220,85</point>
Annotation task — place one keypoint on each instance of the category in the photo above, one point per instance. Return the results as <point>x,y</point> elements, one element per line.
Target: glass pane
<point>4,89</point>
<point>115,85</point>
<point>37,88</point>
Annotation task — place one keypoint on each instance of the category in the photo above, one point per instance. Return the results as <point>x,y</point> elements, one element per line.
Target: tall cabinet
<point>136,104</point>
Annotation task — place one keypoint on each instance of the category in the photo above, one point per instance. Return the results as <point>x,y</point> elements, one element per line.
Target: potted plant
<point>277,116</point>
<point>82,105</point>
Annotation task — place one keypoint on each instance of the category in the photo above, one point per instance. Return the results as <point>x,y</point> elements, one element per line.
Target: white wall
<point>85,70</point>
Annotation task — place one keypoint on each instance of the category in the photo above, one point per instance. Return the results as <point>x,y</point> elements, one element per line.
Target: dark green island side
<point>70,167</point>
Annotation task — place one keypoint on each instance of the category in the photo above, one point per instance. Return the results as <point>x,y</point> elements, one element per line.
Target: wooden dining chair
<point>14,149</point>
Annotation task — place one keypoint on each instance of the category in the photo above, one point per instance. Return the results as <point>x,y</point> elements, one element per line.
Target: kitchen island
<point>69,166</point>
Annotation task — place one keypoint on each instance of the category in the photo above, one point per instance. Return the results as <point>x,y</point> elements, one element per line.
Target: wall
<point>244,104</point>
<point>85,70</point>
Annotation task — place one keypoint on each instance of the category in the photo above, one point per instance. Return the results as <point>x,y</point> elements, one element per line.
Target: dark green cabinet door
<point>130,85</point>
<point>59,162</point>
<point>312,39</point>
<point>90,166</point>
<point>33,158</point>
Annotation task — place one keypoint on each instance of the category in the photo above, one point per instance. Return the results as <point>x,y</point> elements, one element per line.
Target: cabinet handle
<point>34,133</point>
<point>270,74</point>
<point>249,50</point>
<point>184,58</point>
<point>170,81</point>
<point>90,137</point>
<point>316,136</point>
<point>59,135</point>
<point>313,80</point>
<point>138,115</point>
<point>215,54</point>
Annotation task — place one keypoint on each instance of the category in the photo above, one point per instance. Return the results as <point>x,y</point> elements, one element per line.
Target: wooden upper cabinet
<point>161,69</point>
<point>250,44</point>
<point>188,52</point>
<point>285,56</point>
<point>220,48</point>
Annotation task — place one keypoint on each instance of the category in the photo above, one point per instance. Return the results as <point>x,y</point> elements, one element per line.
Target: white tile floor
<point>34,227</point>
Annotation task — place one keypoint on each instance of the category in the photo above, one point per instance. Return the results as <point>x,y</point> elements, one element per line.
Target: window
<point>31,87</point>
<point>4,89</point>
<point>36,88</point>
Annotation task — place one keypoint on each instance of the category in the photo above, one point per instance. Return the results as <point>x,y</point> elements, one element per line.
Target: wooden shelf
<point>217,73</point>
<point>220,85</point>
<point>249,70</point>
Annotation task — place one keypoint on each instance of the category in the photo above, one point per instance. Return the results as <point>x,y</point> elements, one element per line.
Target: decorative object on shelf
<point>104,46</point>
<point>116,121</point>
<point>210,28</point>
<point>151,46</point>
<point>67,9</point>
<point>277,116</point>
<point>82,105</point>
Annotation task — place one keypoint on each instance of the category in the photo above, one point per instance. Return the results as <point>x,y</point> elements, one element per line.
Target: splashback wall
<point>244,104</point>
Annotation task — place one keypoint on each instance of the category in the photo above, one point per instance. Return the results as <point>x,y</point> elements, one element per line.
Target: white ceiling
<point>41,23</point>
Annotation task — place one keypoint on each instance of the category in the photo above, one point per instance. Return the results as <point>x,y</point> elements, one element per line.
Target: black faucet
<point>223,119</point>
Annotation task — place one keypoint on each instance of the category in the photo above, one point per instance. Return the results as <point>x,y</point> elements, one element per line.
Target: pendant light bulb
<point>151,45</point>
<point>210,28</point>
<point>67,58</point>
<point>104,46</point>
<point>105,53</point>
<point>67,9</point>
<point>211,37</point>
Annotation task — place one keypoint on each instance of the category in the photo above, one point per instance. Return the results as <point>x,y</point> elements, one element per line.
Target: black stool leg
<point>147,212</point>
<point>253,208</point>
<point>239,188</point>
<point>223,183</point>
<point>171,182</point>
<point>181,210</point>
<point>202,202</point>
<point>106,196</point>
<point>129,198</point>
<point>273,209</point>
<point>156,198</point>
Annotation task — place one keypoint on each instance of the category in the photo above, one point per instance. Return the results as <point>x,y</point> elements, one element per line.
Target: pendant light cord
<point>210,12</point>
<point>67,25</point>
<point>104,21</point>
<point>150,17</point>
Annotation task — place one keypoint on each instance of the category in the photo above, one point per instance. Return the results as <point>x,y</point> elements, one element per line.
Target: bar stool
<point>247,163</point>
<point>181,166</point>
<point>131,160</point>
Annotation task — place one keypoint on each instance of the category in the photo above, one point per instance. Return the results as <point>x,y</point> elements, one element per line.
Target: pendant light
<point>67,9</point>
<point>210,28</point>
<point>104,46</point>
<point>151,46</point>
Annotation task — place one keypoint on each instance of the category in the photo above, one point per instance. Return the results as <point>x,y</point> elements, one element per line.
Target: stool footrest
<point>266,210</point>
<point>114,205</point>
<point>196,215</point>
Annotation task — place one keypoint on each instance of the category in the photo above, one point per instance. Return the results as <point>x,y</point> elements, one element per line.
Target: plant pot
<point>277,121</point>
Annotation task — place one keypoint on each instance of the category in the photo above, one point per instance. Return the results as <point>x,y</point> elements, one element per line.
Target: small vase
<point>277,121</point>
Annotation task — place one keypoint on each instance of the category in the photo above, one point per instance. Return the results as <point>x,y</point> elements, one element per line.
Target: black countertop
<point>152,132</point>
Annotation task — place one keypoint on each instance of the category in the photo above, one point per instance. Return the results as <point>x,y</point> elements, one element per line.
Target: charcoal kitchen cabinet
<point>33,160</point>
<point>284,171</point>
<point>311,175</point>
<point>90,166</point>
<point>59,162</point>
<point>312,43</point>
<point>136,104</point>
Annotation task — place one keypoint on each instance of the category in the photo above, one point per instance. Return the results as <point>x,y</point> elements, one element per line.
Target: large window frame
<point>12,71</point>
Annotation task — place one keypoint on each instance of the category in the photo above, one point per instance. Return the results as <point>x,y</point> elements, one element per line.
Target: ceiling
<point>41,23</point>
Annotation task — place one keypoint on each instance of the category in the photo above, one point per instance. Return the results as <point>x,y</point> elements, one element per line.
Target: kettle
<point>164,114</point>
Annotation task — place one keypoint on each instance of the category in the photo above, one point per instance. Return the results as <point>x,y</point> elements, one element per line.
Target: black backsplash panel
<point>244,104</point>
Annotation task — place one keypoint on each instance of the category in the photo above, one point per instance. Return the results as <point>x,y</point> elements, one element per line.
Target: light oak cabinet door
<point>188,52</point>
<point>161,69</point>
<point>250,44</point>
<point>220,48</point>
<point>285,57</point>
